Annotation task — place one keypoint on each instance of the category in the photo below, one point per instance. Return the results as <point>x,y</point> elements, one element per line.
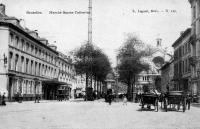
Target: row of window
<point>65,78</point>
<point>195,10</point>
<point>26,87</point>
<point>144,78</point>
<point>65,67</point>
<point>182,50</point>
<point>25,65</point>
<point>182,67</point>
<point>32,49</point>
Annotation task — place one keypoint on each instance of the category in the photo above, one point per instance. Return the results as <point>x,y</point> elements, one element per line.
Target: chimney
<point>2,9</point>
<point>181,32</point>
<point>44,41</point>
<point>53,47</point>
<point>12,20</point>
<point>34,34</point>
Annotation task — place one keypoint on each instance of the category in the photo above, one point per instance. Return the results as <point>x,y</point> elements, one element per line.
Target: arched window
<point>32,71</point>
<point>10,61</point>
<point>11,39</point>
<point>16,62</point>
<point>39,70</point>
<point>16,42</point>
<point>27,47</point>
<point>36,68</point>
<point>27,63</point>
<point>22,65</point>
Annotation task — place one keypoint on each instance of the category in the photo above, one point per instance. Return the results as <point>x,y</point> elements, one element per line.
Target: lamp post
<point>36,83</point>
<point>117,84</point>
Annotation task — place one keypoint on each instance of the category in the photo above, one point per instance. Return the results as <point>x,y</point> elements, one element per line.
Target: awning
<point>53,82</point>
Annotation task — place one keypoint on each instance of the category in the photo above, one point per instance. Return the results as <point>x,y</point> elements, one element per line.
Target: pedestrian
<point>110,99</point>
<point>37,98</point>
<point>124,100</point>
<point>3,99</point>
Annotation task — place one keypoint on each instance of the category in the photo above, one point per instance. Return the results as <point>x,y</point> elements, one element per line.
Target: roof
<point>53,82</point>
<point>25,33</point>
<point>185,33</point>
<point>166,65</point>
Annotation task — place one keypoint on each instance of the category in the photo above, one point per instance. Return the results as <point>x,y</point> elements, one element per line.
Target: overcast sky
<point>112,19</point>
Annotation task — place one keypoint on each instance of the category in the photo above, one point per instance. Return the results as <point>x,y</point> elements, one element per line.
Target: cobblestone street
<point>93,115</point>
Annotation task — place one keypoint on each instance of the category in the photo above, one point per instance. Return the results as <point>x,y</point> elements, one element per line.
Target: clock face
<point>158,61</point>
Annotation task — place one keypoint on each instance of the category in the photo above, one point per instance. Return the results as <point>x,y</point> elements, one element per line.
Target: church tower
<point>158,42</point>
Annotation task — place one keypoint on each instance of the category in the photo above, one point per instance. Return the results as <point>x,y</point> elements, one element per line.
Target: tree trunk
<point>91,81</point>
<point>129,89</point>
<point>86,82</point>
<point>86,86</point>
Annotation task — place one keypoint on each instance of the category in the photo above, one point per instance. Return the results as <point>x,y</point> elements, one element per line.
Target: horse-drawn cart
<point>175,99</point>
<point>149,99</point>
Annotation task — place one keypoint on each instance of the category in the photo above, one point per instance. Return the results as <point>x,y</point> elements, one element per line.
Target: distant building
<point>151,78</point>
<point>182,54</point>
<point>145,78</point>
<point>66,74</point>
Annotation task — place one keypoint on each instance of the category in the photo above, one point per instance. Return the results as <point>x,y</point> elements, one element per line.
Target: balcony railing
<point>193,60</point>
<point>192,39</point>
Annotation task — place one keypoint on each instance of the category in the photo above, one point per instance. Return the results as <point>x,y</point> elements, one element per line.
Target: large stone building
<point>66,74</point>
<point>29,65</point>
<point>195,46</point>
<point>182,70</point>
<point>151,78</point>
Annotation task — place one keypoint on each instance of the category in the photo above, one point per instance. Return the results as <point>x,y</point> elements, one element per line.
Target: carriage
<point>175,99</point>
<point>149,99</point>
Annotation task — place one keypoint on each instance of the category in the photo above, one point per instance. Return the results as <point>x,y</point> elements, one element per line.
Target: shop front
<point>52,88</point>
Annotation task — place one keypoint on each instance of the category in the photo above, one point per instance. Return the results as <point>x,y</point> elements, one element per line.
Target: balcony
<point>192,39</point>
<point>193,60</point>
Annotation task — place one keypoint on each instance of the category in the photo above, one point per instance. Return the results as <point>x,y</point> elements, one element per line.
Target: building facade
<point>195,46</point>
<point>152,77</point>
<point>167,76</point>
<point>66,74</point>
<point>145,79</point>
<point>29,65</point>
<point>182,69</point>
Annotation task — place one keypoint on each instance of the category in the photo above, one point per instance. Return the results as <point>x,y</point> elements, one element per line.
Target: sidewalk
<point>195,104</point>
<point>33,101</point>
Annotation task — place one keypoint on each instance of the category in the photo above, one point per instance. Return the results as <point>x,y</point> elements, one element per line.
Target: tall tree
<point>130,61</point>
<point>91,61</point>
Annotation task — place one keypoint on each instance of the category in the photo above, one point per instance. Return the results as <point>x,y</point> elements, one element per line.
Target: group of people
<point>109,97</point>
<point>2,99</point>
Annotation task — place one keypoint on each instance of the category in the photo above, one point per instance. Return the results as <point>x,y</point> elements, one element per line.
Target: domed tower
<point>158,42</point>
<point>2,9</point>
